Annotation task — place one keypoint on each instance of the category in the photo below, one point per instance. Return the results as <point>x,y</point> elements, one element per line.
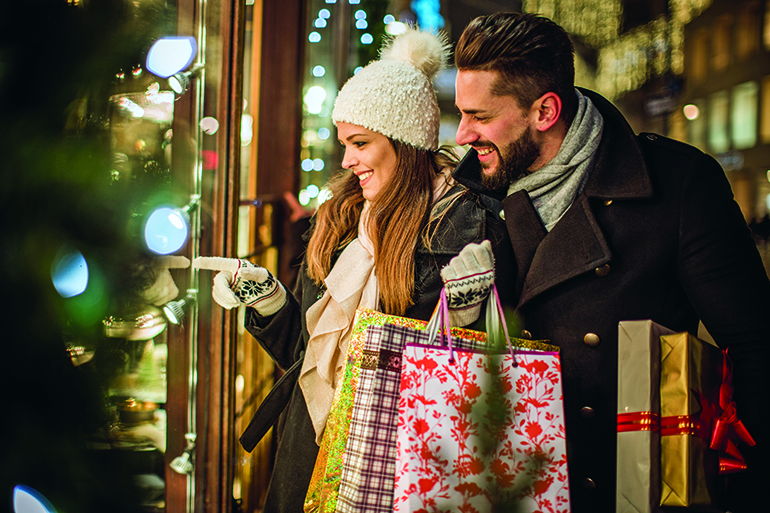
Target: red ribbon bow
<point>729,429</point>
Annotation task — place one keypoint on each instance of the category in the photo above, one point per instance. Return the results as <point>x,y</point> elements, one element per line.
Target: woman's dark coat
<point>655,234</point>
<point>284,336</point>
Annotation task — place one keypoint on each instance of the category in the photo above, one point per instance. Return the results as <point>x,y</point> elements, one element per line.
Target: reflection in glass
<point>166,230</point>
<point>69,272</point>
<point>170,55</point>
<point>29,500</point>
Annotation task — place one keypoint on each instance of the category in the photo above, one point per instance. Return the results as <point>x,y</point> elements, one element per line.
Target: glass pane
<point>744,115</point>
<point>718,138</point>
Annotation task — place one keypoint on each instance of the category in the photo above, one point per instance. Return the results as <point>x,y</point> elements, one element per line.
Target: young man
<point>607,226</point>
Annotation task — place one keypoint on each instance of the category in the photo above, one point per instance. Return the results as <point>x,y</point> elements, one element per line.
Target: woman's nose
<point>348,161</point>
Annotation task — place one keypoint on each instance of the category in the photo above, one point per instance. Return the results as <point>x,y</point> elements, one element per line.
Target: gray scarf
<point>554,187</point>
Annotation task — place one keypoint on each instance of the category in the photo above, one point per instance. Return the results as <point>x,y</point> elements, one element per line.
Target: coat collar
<point>576,244</point>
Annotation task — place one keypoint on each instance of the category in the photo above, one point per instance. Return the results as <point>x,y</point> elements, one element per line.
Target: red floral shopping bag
<point>479,430</point>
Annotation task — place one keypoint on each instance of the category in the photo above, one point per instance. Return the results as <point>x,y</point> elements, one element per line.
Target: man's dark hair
<point>532,55</point>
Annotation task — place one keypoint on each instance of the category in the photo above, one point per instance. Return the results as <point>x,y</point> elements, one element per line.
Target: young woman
<point>393,231</point>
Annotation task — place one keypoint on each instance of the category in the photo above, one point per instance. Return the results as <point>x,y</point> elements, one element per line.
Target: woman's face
<point>369,155</point>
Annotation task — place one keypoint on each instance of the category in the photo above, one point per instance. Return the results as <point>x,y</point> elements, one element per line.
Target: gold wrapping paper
<point>638,440</point>
<point>325,482</point>
<point>690,376</point>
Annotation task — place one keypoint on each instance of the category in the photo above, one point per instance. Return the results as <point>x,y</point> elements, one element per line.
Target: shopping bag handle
<point>494,319</point>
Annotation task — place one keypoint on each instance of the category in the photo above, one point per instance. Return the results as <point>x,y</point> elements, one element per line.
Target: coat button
<point>607,202</point>
<point>526,334</point>
<point>651,137</point>
<point>502,215</point>
<point>603,270</point>
<point>591,339</point>
<point>586,412</point>
<point>589,484</point>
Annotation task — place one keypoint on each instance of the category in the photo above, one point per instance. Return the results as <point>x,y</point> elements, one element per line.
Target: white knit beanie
<point>394,95</point>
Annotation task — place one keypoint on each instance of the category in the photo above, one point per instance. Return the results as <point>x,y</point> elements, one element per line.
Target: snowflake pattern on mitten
<point>470,290</point>
<point>251,292</point>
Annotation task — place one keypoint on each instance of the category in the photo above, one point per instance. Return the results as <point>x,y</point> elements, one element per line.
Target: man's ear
<point>546,111</point>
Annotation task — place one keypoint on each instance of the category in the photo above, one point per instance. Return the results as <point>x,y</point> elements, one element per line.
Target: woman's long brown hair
<point>397,216</point>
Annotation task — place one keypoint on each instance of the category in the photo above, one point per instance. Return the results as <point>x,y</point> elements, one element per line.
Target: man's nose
<point>464,134</point>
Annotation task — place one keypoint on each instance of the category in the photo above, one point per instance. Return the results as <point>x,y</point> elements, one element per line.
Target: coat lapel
<point>574,246</point>
<point>526,233</point>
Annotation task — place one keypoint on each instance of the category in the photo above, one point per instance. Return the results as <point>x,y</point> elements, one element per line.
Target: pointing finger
<point>216,264</point>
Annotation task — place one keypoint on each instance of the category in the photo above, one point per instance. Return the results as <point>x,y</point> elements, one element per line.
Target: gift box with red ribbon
<point>638,440</point>
<point>699,424</point>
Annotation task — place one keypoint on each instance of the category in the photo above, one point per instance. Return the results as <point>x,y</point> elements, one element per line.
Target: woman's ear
<point>546,111</point>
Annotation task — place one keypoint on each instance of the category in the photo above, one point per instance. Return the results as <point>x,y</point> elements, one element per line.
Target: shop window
<point>718,108</point>
<point>744,115</point>
<point>764,120</point>
<point>722,32</point>
<point>747,33</point>
<point>699,54</point>
<point>341,38</point>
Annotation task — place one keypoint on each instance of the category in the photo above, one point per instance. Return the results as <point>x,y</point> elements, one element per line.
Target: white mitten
<point>468,278</point>
<point>163,288</point>
<point>239,282</point>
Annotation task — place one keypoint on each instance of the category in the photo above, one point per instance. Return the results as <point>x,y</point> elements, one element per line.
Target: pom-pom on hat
<point>394,95</point>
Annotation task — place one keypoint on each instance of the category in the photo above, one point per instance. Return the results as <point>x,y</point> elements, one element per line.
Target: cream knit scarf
<point>554,187</point>
<point>351,283</point>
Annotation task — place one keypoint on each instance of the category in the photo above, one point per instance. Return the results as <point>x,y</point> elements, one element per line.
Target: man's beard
<point>513,162</point>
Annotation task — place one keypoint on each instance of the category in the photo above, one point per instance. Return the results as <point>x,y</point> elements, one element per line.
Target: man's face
<point>496,127</point>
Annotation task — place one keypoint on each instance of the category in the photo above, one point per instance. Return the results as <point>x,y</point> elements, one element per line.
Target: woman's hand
<point>239,282</point>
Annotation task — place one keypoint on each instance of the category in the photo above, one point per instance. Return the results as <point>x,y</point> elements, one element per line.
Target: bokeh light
<point>209,125</point>
<point>29,500</point>
<point>691,112</point>
<point>324,195</point>
<point>170,55</point>
<point>314,99</point>
<point>165,231</point>
<point>395,28</point>
<point>69,272</point>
